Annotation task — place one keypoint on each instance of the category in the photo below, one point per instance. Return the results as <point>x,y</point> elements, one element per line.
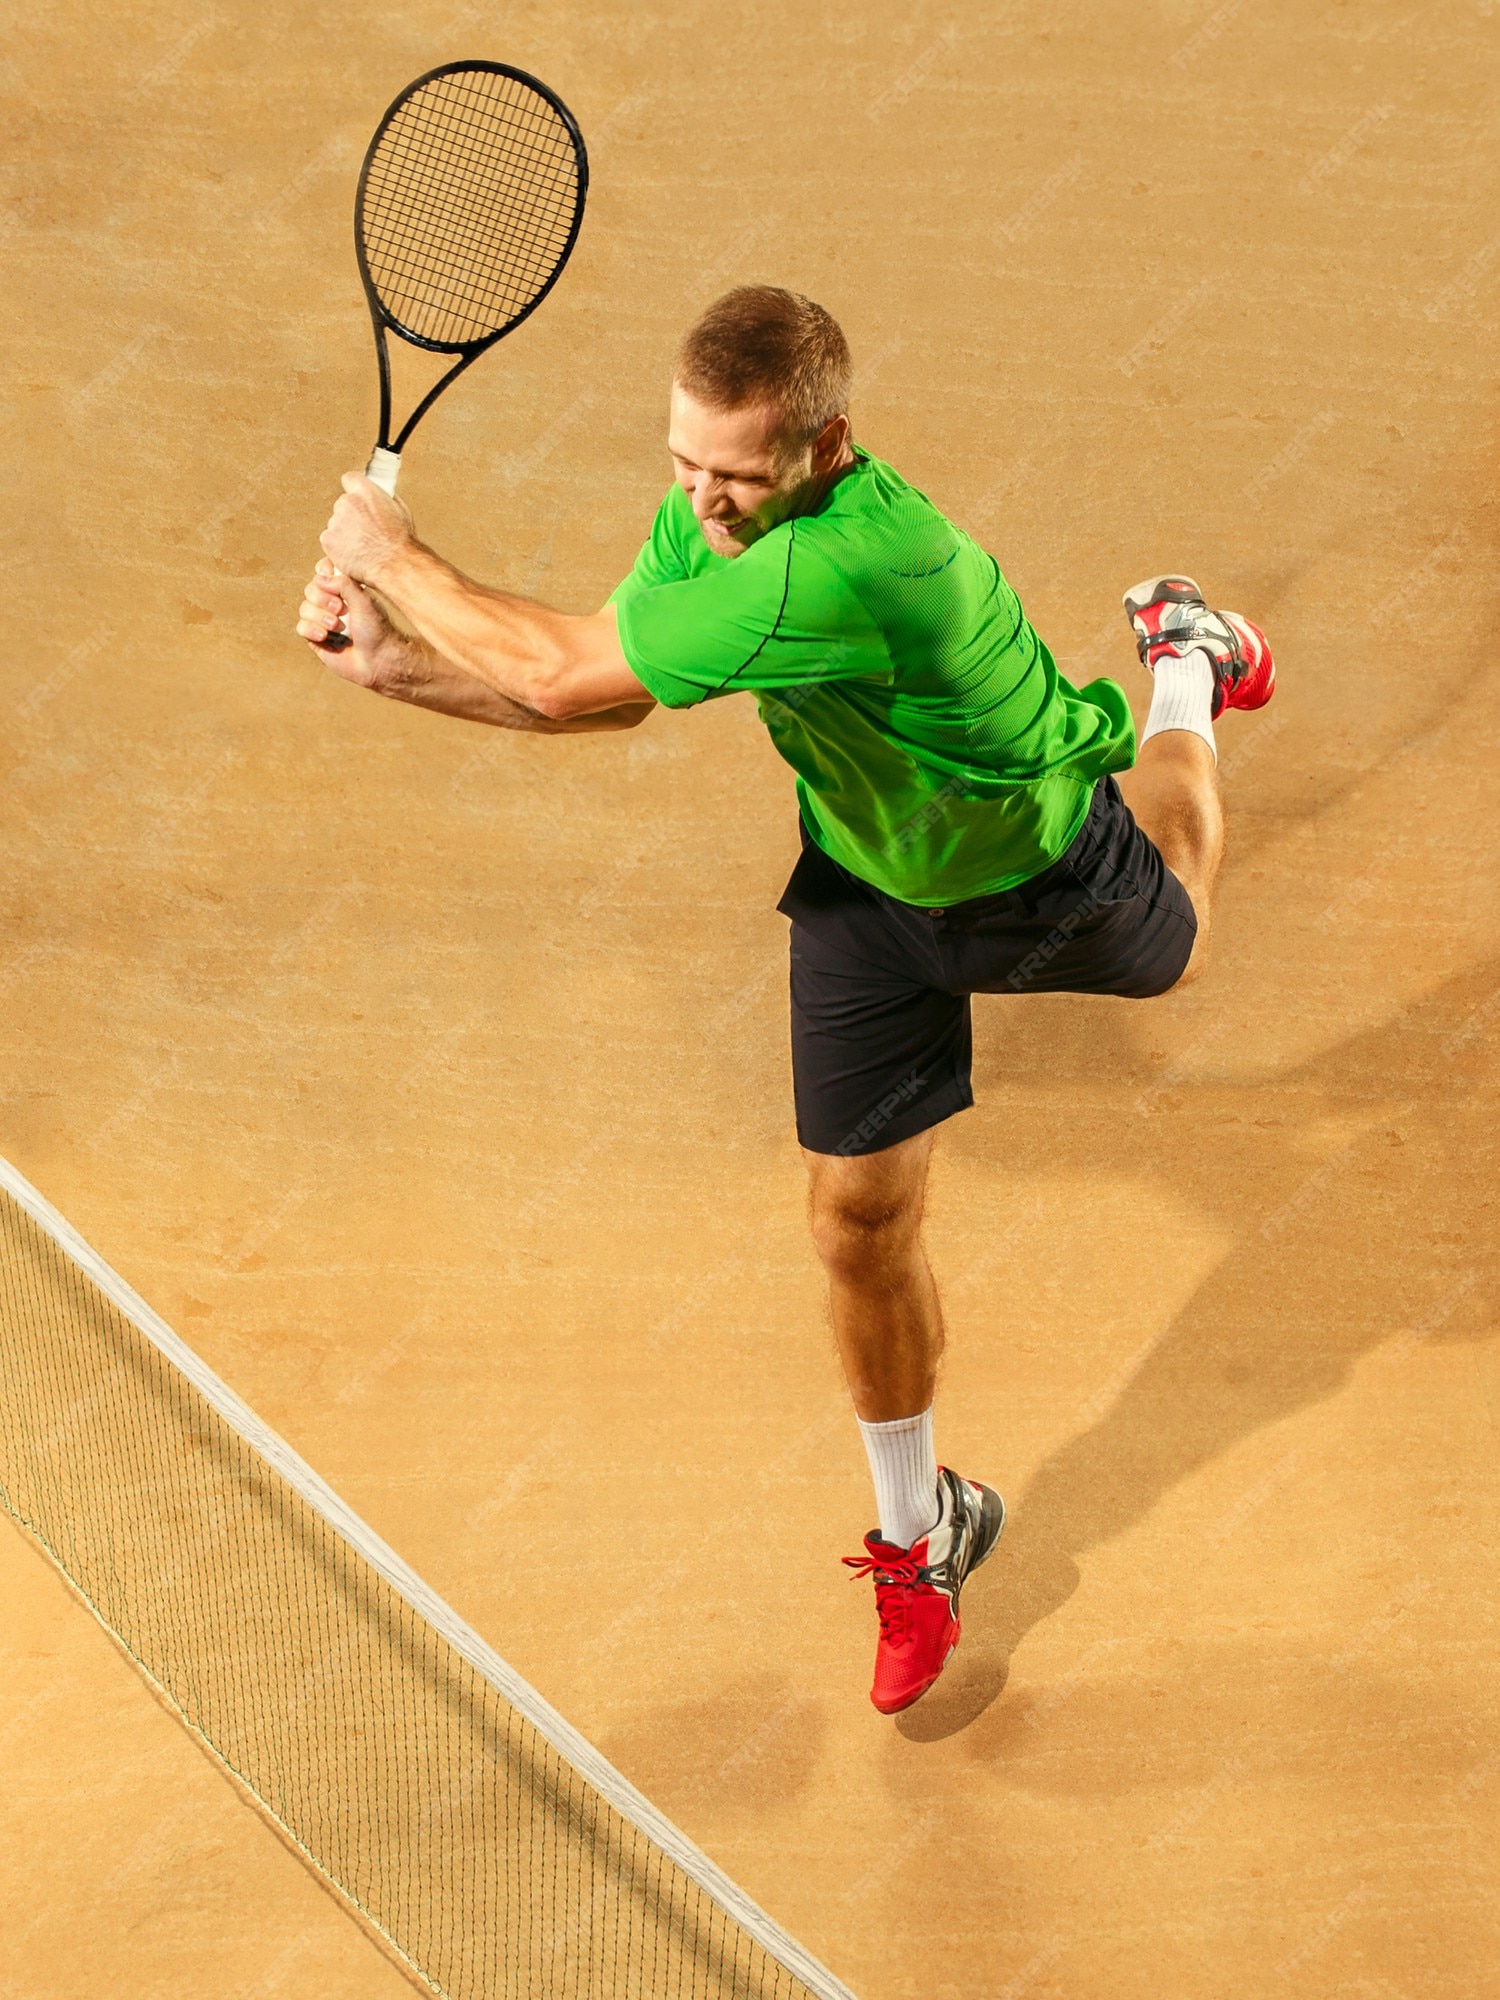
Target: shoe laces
<point>895,1586</point>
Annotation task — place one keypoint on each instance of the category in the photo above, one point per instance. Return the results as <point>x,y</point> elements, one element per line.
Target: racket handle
<point>383,467</point>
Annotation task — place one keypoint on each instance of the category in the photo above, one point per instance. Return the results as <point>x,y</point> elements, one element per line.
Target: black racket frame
<point>382,318</point>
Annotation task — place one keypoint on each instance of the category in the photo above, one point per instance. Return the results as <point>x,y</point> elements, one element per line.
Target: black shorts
<point>882,1038</point>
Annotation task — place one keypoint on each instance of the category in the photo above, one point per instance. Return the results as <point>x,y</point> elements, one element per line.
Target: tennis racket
<point>469,204</point>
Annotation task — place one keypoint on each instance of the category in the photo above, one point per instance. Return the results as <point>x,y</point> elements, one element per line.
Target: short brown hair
<point>759,344</point>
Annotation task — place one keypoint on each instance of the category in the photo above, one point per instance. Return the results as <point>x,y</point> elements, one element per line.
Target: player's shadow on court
<point>1310,1289</point>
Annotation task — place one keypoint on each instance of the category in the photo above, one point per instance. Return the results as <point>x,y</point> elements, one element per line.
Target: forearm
<point>412,670</point>
<point>553,664</point>
<point>509,645</point>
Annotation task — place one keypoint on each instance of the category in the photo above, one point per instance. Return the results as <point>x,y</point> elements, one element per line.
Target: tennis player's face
<point>726,461</point>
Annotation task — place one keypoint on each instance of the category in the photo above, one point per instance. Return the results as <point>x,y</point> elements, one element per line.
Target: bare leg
<point>866,1215</point>
<point>1174,793</point>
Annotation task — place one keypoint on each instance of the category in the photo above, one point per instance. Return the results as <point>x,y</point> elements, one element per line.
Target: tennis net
<point>494,1849</point>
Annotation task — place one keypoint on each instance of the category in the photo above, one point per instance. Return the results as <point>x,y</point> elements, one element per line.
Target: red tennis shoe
<point>916,1589</point>
<point>1170,616</point>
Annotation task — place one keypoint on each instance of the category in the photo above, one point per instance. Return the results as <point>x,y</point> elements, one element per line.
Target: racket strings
<point>448,128</point>
<point>453,246</point>
<point>468,206</point>
<point>466,152</point>
<point>429,264</point>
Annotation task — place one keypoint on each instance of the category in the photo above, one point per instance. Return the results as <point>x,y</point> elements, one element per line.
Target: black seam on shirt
<point>786,590</point>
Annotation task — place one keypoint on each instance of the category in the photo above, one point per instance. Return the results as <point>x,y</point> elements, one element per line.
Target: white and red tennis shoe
<point>916,1589</point>
<point>1169,616</point>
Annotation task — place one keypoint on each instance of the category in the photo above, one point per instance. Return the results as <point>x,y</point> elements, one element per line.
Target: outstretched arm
<point>373,654</point>
<point>548,663</point>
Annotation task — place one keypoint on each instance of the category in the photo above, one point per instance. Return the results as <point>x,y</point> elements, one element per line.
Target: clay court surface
<point>433,1082</point>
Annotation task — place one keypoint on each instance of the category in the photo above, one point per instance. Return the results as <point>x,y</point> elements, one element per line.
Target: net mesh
<point>468,204</point>
<point>405,1777</point>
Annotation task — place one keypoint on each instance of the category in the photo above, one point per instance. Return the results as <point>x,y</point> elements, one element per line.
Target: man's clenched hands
<point>366,530</point>
<point>334,605</point>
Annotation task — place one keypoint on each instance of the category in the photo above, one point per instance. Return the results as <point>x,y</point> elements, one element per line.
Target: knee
<point>858,1230</point>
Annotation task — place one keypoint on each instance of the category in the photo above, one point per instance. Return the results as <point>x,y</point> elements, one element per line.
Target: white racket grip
<point>383,469</point>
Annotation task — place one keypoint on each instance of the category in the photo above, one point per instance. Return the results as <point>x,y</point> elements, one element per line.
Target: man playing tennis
<point>962,829</point>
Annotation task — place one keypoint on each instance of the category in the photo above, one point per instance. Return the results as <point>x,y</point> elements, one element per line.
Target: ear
<point>828,445</point>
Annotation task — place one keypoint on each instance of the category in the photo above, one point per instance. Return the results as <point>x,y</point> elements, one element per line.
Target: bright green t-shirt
<point>939,753</point>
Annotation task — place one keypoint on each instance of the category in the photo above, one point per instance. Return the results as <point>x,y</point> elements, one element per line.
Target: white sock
<point>1182,697</point>
<point>904,1468</point>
